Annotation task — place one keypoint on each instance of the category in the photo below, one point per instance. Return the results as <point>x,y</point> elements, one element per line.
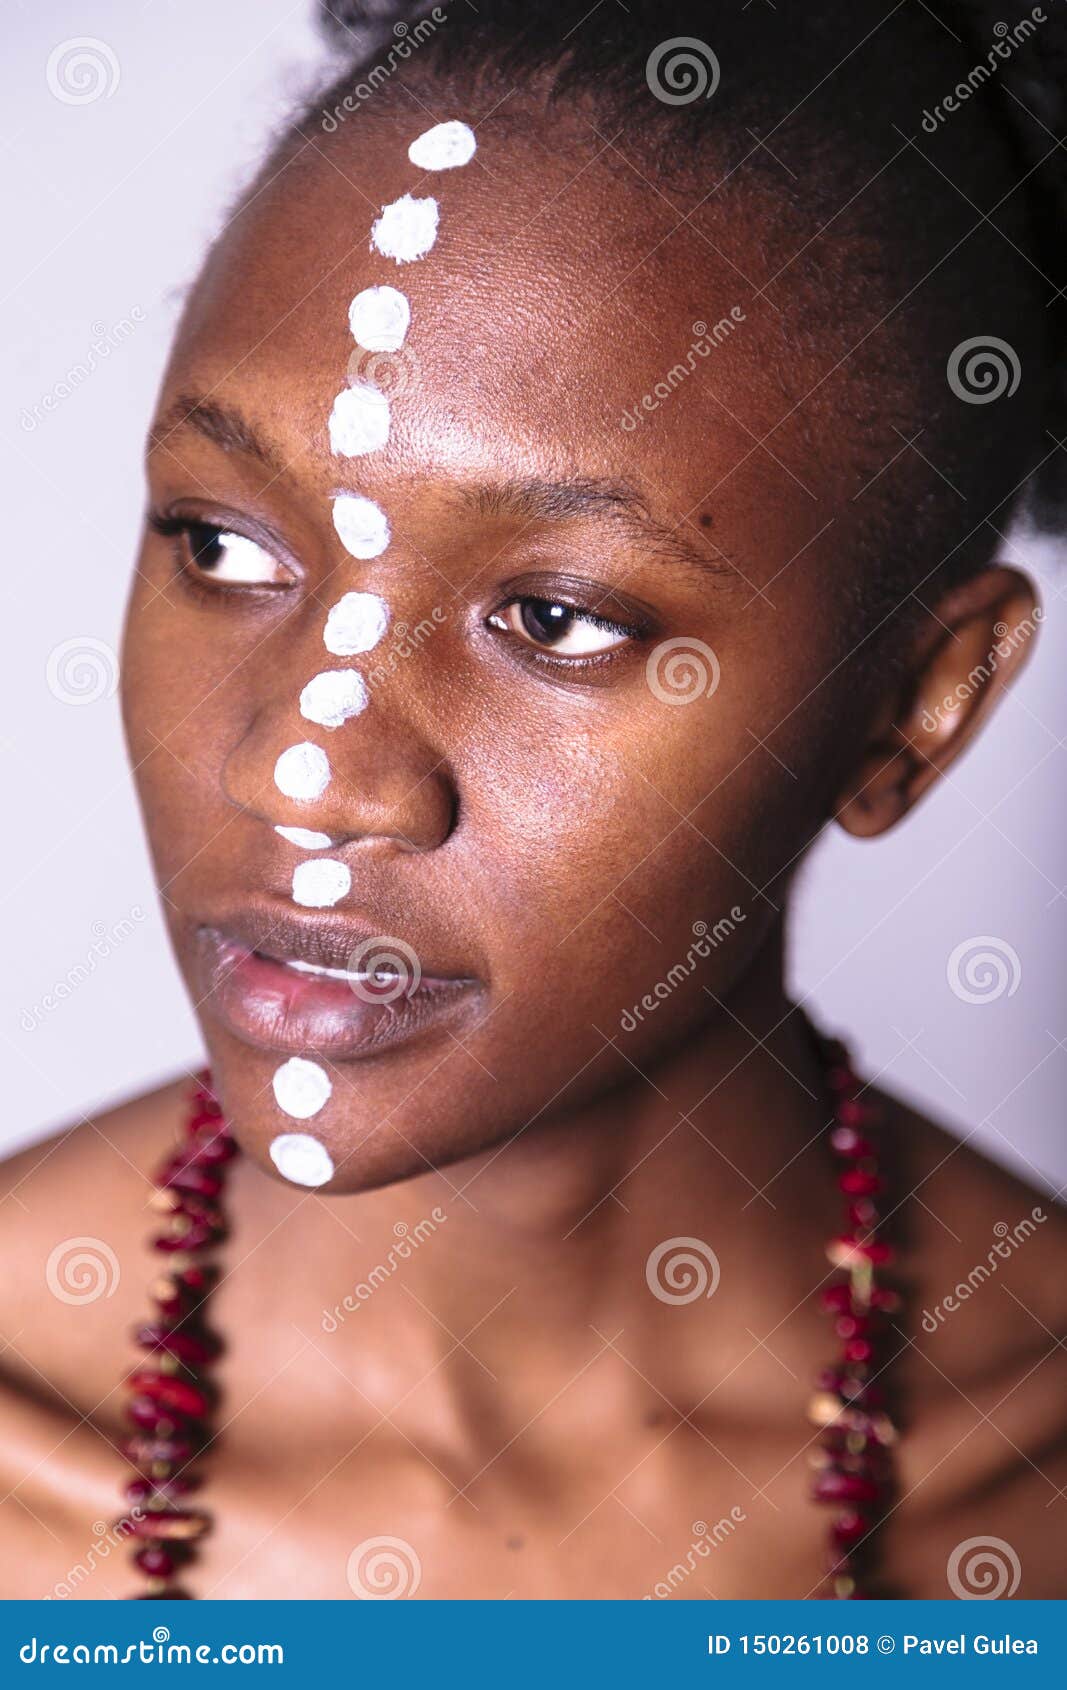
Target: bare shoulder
<point>73,1273</point>
<point>983,1377</point>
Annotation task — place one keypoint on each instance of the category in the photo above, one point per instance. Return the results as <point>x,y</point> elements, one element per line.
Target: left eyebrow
<point>216,421</point>
<point>537,500</point>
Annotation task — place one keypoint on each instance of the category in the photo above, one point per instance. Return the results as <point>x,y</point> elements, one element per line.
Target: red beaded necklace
<point>173,1400</point>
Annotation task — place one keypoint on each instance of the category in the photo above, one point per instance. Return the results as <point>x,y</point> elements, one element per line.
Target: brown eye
<point>232,559</point>
<point>559,628</point>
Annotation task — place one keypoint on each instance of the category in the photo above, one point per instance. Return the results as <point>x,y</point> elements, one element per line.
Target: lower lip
<point>266,1003</point>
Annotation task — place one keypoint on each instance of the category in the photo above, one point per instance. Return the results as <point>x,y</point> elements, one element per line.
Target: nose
<point>374,778</point>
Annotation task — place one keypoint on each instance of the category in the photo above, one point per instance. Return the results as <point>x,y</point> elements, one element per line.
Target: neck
<point>505,1269</point>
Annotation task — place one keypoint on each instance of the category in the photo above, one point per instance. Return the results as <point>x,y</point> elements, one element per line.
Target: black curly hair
<point>954,110</point>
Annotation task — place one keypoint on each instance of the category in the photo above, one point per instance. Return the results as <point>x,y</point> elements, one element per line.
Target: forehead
<point>570,317</point>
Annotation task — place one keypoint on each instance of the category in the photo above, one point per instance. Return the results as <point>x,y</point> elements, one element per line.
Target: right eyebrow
<point>219,422</point>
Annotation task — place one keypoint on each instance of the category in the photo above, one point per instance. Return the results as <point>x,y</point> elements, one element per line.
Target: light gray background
<point>110,205</point>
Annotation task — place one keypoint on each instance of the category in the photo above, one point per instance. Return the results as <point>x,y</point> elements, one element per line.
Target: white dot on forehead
<point>302,1159</point>
<point>406,230</point>
<point>320,883</point>
<point>302,772</point>
<point>379,319</point>
<point>301,1087</point>
<point>359,420</point>
<point>332,697</point>
<point>305,837</point>
<point>362,526</point>
<point>443,147</point>
<point>356,623</point>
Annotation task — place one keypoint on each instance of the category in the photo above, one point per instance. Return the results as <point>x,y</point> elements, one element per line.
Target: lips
<point>296,984</point>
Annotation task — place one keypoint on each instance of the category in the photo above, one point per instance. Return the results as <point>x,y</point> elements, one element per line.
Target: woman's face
<point>598,723</point>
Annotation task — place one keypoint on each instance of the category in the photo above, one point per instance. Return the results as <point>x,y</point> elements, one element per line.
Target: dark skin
<point>514,1403</point>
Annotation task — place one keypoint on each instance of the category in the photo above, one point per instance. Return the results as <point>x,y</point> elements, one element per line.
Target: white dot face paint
<point>301,1087</point>
<point>302,772</point>
<point>301,1159</point>
<point>362,526</point>
<point>359,421</point>
<point>305,837</point>
<point>379,319</point>
<point>321,883</point>
<point>444,147</point>
<point>406,230</point>
<point>356,623</point>
<point>334,696</point>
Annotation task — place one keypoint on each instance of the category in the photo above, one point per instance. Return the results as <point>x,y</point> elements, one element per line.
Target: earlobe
<point>975,641</point>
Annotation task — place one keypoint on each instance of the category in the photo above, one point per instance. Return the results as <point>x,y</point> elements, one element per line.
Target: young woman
<point>540,551</point>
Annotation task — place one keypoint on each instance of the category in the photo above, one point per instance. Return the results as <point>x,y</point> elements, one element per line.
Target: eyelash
<point>181,530</point>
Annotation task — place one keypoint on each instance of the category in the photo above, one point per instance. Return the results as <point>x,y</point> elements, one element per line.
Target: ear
<point>970,646</point>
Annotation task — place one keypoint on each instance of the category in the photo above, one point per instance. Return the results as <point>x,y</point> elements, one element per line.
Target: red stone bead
<point>176,1395</point>
<point>215,1150</point>
<point>152,1417</point>
<point>191,1235</point>
<point>194,1348</point>
<point>859,1182</point>
<point>148,1493</point>
<point>850,1526</point>
<point>181,1523</point>
<point>854,1112</point>
<point>859,1349</point>
<point>837,1296</point>
<point>833,1485</point>
<point>144,1450</point>
<point>155,1561</point>
<point>181,1175</point>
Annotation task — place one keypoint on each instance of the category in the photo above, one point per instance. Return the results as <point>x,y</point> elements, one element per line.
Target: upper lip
<point>326,940</point>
